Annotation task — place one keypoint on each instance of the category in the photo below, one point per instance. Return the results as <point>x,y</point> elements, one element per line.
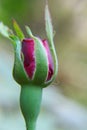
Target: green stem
<point>30,101</point>
<point>31,125</point>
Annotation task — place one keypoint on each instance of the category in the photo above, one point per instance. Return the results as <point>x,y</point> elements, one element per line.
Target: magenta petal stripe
<point>50,60</point>
<point>29,56</point>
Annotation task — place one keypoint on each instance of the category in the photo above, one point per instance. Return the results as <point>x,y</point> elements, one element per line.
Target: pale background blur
<point>64,105</point>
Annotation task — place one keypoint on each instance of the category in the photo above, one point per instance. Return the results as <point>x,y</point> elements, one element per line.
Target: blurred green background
<point>64,105</point>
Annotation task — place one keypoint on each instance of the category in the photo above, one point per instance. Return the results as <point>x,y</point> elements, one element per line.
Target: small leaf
<point>5,31</point>
<point>18,30</point>
<point>49,27</point>
<point>29,31</point>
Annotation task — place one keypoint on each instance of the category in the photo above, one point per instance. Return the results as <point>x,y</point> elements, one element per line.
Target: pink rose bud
<point>28,49</point>
<point>35,66</point>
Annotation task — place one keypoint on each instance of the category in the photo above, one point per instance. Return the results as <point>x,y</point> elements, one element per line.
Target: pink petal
<point>50,60</point>
<point>29,57</point>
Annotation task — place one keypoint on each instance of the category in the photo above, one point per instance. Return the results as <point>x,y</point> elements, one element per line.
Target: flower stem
<point>31,126</point>
<point>30,101</point>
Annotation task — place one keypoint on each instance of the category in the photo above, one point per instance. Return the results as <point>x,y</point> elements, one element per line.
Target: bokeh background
<point>64,104</point>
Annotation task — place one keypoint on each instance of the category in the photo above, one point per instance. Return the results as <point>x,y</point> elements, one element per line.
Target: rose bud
<point>30,64</point>
<point>35,67</point>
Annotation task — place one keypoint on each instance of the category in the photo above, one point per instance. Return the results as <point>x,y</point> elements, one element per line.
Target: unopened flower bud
<point>35,67</point>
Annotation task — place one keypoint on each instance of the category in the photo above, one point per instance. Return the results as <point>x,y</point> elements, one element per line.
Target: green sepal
<point>48,24</point>
<point>50,35</point>
<point>29,31</point>
<point>18,30</point>
<point>19,73</point>
<point>41,62</point>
